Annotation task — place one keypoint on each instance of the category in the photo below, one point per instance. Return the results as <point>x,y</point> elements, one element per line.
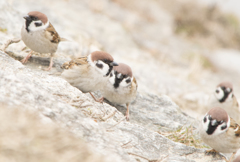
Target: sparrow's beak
<point>113,64</point>
<point>26,17</point>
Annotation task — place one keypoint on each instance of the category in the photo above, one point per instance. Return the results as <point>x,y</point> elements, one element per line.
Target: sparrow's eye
<point>111,74</point>
<point>204,119</point>
<point>38,24</point>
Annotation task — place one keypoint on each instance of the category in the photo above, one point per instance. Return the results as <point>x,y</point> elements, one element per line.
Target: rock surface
<point>102,126</point>
<point>140,34</point>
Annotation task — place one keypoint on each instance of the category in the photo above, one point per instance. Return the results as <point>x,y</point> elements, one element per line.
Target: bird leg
<point>50,64</point>
<point>230,157</point>
<point>97,100</point>
<point>25,60</point>
<point>127,112</point>
<point>15,40</point>
<point>213,152</point>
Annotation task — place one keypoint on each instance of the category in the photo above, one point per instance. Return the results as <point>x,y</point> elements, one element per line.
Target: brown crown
<point>225,84</point>
<point>123,69</point>
<point>100,55</point>
<point>39,15</point>
<point>219,114</point>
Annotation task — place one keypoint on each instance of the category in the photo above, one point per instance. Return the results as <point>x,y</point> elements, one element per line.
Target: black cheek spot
<point>38,24</point>
<point>99,65</point>
<point>128,81</point>
<point>217,91</point>
<point>204,119</point>
<point>223,127</point>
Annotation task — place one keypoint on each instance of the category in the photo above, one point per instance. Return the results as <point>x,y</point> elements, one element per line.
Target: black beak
<point>113,64</point>
<point>27,17</point>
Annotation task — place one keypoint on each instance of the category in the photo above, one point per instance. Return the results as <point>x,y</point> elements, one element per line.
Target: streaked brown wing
<point>52,35</point>
<point>236,127</point>
<point>135,81</point>
<point>75,62</point>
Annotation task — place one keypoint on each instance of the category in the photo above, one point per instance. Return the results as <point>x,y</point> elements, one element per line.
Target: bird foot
<point>97,100</point>
<point>25,60</point>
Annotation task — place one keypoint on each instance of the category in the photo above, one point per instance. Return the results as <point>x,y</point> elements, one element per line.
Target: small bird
<point>39,35</point>
<point>89,73</point>
<point>220,132</point>
<point>225,98</point>
<point>121,87</point>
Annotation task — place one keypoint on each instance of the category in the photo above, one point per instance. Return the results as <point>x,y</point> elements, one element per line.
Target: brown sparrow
<point>220,132</point>
<point>89,73</point>
<point>121,87</point>
<point>224,98</point>
<point>39,35</point>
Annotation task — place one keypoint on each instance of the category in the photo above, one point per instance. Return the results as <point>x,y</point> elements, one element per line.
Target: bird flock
<point>98,71</point>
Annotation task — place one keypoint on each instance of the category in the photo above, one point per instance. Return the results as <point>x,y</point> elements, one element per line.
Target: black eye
<point>204,119</point>
<point>111,75</point>
<point>99,65</point>
<point>38,24</point>
<point>128,80</point>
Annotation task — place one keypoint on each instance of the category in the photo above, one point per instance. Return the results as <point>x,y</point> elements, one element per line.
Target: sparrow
<point>39,35</point>
<point>89,73</point>
<point>121,87</point>
<point>225,98</point>
<point>220,132</point>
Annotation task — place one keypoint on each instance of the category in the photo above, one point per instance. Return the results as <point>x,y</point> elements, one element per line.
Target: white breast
<point>121,95</point>
<point>38,42</point>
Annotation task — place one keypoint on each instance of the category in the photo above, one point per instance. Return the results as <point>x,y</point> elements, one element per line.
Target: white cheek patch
<point>32,27</point>
<point>112,79</point>
<point>229,98</point>
<point>105,68</point>
<point>205,124</point>
<point>124,83</point>
<point>219,128</point>
<point>220,93</point>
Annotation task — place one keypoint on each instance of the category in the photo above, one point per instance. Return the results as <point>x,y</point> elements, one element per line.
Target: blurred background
<point>180,48</point>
